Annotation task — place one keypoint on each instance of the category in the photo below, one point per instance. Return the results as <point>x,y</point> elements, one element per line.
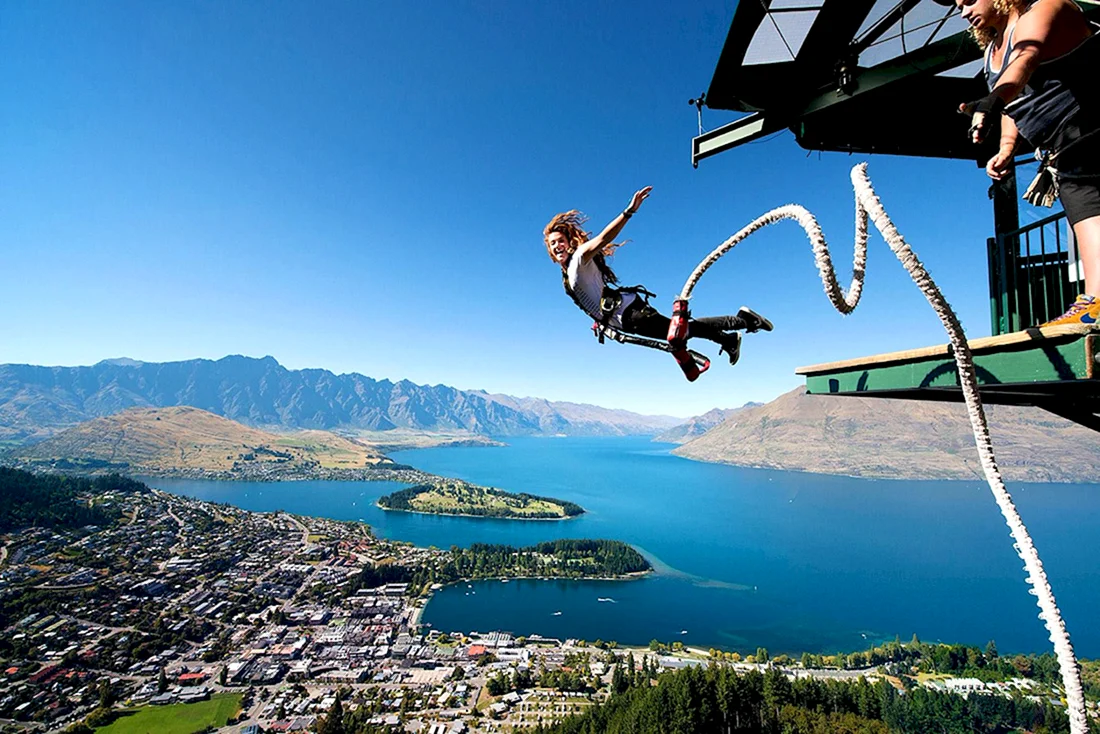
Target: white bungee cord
<point>868,205</point>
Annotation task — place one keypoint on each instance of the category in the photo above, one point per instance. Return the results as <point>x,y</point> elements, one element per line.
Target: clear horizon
<point>363,189</point>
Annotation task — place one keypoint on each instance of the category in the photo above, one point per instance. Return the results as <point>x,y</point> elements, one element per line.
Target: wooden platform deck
<point>1054,368</point>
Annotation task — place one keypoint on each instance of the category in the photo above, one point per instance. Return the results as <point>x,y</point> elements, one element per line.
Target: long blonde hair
<point>1002,8</point>
<point>571,225</point>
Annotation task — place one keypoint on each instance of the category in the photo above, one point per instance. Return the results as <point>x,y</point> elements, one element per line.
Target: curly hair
<point>571,225</point>
<point>1002,8</point>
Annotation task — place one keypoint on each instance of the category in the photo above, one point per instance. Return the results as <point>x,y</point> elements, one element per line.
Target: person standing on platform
<point>1041,63</point>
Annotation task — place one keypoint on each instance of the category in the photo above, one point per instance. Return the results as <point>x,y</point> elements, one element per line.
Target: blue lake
<point>746,558</point>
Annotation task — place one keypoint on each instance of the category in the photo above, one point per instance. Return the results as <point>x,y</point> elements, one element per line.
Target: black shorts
<point>1080,198</point>
<point>1078,171</point>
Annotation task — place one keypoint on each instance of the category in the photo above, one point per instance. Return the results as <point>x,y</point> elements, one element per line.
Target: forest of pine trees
<point>557,559</point>
<point>721,700</point>
<point>51,500</point>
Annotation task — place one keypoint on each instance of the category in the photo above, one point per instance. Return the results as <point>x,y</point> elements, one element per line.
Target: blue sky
<point>361,187</point>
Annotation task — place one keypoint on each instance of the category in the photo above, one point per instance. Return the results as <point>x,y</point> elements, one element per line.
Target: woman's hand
<point>982,113</point>
<point>999,165</point>
<point>639,197</point>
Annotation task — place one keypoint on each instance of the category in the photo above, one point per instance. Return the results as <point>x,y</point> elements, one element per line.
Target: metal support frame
<point>740,131</point>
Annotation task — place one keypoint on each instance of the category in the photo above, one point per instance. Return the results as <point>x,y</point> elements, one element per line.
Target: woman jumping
<point>590,282</point>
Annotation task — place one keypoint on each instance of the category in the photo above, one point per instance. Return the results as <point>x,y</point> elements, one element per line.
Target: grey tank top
<point>1060,90</point>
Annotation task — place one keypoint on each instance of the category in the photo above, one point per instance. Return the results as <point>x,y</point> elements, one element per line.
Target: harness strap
<point>691,362</point>
<point>610,300</point>
<point>1044,187</point>
<point>639,290</point>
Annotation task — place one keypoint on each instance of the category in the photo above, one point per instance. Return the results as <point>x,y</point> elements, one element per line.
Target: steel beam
<point>743,130</point>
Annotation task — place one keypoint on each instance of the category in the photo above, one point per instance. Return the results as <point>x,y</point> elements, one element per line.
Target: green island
<point>455,497</point>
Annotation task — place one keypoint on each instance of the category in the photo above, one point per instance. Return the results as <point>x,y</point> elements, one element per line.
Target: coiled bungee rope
<point>869,206</point>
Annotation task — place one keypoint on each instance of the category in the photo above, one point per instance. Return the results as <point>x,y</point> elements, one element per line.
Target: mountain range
<point>700,424</point>
<point>869,437</point>
<point>36,402</point>
<point>907,439</point>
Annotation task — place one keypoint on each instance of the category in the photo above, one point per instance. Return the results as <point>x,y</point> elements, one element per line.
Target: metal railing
<point>1032,274</point>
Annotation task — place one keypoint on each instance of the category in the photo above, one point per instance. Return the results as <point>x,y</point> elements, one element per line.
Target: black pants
<point>642,319</point>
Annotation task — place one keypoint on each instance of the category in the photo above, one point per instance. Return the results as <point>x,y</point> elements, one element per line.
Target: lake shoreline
<point>632,576</point>
<point>933,561</point>
<point>481,517</point>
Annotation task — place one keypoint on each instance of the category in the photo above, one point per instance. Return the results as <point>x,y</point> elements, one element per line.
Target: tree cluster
<point>53,500</point>
<point>718,699</point>
<point>559,558</point>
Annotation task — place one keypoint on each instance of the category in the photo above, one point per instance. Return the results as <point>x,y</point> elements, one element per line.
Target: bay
<point>789,561</point>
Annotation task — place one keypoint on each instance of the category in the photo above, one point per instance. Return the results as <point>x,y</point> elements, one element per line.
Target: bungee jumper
<point>1041,59</point>
<point>623,313</point>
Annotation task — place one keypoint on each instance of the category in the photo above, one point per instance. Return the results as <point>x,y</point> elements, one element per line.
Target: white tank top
<point>587,283</point>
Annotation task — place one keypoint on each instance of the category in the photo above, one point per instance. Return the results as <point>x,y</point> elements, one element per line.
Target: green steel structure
<point>1053,368</point>
<point>827,70</point>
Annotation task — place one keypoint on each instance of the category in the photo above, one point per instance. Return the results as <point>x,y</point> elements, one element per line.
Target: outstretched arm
<point>597,244</point>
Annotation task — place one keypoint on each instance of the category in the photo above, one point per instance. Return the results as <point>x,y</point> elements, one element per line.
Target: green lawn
<point>180,718</point>
<point>449,498</point>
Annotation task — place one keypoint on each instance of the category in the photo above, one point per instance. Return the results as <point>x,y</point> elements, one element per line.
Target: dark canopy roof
<point>882,76</point>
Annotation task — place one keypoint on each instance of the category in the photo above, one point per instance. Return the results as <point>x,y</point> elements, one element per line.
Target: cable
<point>868,205</point>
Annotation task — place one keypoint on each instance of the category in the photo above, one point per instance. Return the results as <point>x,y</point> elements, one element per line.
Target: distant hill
<point>908,439</point>
<point>700,424</point>
<point>36,402</point>
<point>182,438</point>
<point>579,418</point>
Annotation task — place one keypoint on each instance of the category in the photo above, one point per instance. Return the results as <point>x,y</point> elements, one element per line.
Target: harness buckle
<point>597,329</point>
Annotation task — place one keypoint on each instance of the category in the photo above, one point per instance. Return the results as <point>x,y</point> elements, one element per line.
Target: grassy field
<point>453,498</point>
<point>925,677</point>
<point>181,718</point>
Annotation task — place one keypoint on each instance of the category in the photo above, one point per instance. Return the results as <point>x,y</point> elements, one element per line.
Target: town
<point>277,620</point>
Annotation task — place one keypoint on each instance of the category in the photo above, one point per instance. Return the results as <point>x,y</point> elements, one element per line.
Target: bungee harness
<point>692,363</point>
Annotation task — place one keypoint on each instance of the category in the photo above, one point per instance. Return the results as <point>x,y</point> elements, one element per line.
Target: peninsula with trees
<point>455,497</point>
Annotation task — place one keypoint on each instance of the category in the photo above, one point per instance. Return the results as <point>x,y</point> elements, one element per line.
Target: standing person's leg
<point>1078,180</point>
<point>1081,200</point>
<point>1087,235</point>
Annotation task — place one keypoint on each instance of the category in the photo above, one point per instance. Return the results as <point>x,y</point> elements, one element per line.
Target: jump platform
<point>1054,368</point>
